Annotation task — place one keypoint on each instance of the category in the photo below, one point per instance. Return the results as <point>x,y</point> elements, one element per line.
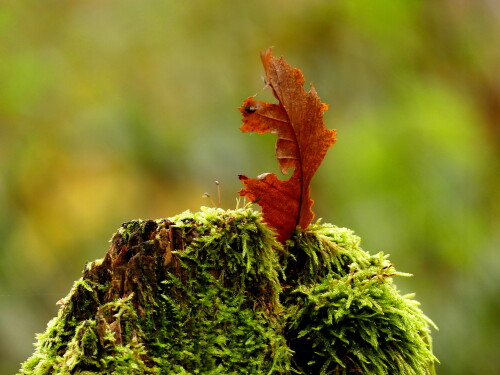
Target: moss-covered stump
<point>214,293</point>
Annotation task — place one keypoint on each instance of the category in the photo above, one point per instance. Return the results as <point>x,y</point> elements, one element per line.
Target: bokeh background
<point>116,110</point>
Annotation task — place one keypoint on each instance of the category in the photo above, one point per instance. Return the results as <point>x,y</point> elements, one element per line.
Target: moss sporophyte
<point>213,292</point>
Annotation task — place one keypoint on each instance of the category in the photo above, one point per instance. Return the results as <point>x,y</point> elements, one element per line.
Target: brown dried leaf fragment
<point>302,144</point>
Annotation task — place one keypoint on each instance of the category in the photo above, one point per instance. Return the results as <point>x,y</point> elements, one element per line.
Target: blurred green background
<point>116,110</point>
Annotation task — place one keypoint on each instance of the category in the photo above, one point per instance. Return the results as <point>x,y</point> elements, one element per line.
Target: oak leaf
<point>302,143</point>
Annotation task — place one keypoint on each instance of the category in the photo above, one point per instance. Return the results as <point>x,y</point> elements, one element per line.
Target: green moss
<point>345,314</point>
<point>212,292</point>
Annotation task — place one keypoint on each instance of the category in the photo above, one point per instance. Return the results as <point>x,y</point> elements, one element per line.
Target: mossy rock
<point>213,292</point>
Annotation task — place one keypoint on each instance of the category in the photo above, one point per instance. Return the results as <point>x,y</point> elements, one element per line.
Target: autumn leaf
<point>302,143</point>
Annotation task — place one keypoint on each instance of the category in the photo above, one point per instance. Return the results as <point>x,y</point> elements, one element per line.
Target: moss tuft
<point>345,314</point>
<point>213,292</point>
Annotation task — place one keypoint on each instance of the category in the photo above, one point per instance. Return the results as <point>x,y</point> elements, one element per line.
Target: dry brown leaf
<point>302,143</point>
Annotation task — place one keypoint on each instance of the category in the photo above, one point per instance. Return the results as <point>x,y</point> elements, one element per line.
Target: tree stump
<point>213,292</point>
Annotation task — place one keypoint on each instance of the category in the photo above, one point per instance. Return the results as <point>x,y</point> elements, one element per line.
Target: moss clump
<point>214,293</point>
<point>345,314</point>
